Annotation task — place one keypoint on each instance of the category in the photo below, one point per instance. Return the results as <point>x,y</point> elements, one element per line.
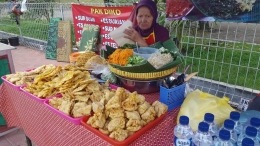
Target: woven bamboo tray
<point>142,76</point>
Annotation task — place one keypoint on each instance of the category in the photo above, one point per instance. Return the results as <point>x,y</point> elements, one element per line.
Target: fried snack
<point>66,107</point>
<point>21,78</point>
<point>105,129</point>
<point>98,120</point>
<point>159,108</point>
<point>117,123</point>
<point>119,134</point>
<point>113,103</point>
<point>84,57</point>
<point>143,107</point>
<point>108,94</point>
<point>133,115</point>
<point>96,96</point>
<point>82,98</point>
<point>122,93</point>
<point>116,113</point>
<point>98,106</point>
<point>134,125</point>
<point>149,115</point>
<point>81,109</point>
<point>130,104</point>
<point>94,59</point>
<point>140,98</point>
<point>55,102</point>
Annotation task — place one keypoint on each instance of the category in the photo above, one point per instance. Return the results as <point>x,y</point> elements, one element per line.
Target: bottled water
<point>238,128</point>
<point>255,122</point>
<point>183,133</point>
<point>213,129</point>
<point>251,133</point>
<point>202,136</point>
<point>229,126</point>
<point>248,142</point>
<point>223,139</point>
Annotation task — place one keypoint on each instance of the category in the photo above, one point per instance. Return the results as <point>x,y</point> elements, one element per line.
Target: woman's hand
<point>133,35</point>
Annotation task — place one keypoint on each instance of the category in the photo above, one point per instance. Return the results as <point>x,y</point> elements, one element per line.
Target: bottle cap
<point>255,122</point>
<point>251,131</point>
<point>184,120</point>
<point>224,134</point>
<point>229,124</point>
<point>203,127</point>
<point>208,117</point>
<point>247,142</point>
<point>235,116</point>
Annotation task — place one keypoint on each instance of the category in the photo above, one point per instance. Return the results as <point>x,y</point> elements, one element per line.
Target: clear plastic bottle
<point>229,126</point>
<point>238,128</point>
<point>251,133</point>
<point>223,139</point>
<point>255,122</point>
<point>202,136</point>
<point>248,142</point>
<point>183,133</point>
<point>213,129</point>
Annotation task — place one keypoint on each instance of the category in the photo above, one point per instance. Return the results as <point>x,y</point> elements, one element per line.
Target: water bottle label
<point>182,142</point>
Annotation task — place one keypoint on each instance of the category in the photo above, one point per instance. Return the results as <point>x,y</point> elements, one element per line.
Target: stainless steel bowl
<point>140,86</point>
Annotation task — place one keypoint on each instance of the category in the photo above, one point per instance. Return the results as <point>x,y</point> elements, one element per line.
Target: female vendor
<point>145,30</point>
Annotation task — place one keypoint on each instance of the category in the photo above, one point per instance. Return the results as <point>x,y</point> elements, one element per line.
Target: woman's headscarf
<point>154,27</point>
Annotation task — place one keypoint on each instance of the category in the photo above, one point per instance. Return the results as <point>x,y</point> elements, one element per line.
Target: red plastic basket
<point>127,141</point>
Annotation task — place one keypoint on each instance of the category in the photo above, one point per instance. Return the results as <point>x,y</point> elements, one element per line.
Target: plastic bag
<point>197,103</point>
<point>24,8</point>
<point>106,74</point>
<point>188,90</point>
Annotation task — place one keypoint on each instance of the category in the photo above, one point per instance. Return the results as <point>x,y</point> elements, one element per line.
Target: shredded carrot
<point>120,56</point>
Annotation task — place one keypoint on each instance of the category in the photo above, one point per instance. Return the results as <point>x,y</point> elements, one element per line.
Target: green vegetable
<point>133,60</point>
<point>127,46</point>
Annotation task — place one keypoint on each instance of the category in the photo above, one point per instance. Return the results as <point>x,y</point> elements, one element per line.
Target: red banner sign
<point>108,19</point>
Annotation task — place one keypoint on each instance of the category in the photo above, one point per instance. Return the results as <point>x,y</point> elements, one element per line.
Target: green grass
<point>231,62</point>
<point>35,29</point>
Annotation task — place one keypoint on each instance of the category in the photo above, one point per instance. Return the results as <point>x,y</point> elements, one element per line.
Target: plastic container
<point>223,139</point>
<point>40,100</point>
<point>173,97</point>
<point>75,121</point>
<point>14,41</point>
<point>4,41</point>
<point>235,117</point>
<point>229,126</point>
<point>11,84</point>
<point>127,141</point>
<point>248,142</point>
<point>202,136</point>
<point>213,129</point>
<point>251,133</point>
<point>182,132</point>
<point>145,52</point>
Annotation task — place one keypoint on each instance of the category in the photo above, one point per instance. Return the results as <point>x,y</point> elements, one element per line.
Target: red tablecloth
<point>46,128</point>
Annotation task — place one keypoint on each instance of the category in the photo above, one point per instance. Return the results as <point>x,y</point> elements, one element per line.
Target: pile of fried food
<point>21,78</point>
<point>58,80</point>
<point>87,58</point>
<point>80,99</point>
<point>122,113</point>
